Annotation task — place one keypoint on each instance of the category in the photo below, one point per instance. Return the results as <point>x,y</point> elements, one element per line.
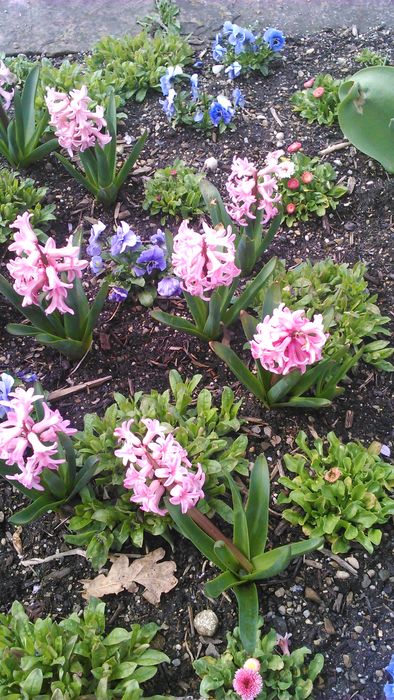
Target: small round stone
<point>206,623</point>
<point>211,164</point>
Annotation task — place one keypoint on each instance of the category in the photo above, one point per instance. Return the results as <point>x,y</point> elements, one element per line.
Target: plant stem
<point>3,116</point>
<point>207,526</point>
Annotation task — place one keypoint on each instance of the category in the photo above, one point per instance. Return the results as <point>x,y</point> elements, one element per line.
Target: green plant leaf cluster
<point>128,66</point>
<point>345,506</point>
<point>340,293</point>
<point>314,198</point>
<point>74,658</point>
<point>18,195</point>
<point>174,191</point>
<point>164,20</point>
<point>367,57</point>
<point>206,431</point>
<point>323,110</point>
<point>285,677</point>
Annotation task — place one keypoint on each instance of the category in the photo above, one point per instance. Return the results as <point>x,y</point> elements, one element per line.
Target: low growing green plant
<point>174,191</point>
<point>203,429</point>
<point>75,658</point>
<point>163,20</point>
<point>340,293</point>
<point>340,491</point>
<point>318,103</point>
<point>311,190</point>
<point>367,57</point>
<point>17,195</point>
<point>21,137</point>
<point>366,113</point>
<point>285,676</point>
<point>243,558</point>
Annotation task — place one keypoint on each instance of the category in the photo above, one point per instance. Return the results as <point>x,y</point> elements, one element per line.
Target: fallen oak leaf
<point>157,578</point>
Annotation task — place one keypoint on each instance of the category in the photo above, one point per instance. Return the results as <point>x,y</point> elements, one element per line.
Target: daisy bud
<point>294,147</point>
<point>307,177</point>
<point>290,209</point>
<point>319,92</point>
<point>309,83</point>
<point>293,183</point>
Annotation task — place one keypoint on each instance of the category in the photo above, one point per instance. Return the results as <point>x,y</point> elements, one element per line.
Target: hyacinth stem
<point>207,526</point>
<point>3,116</point>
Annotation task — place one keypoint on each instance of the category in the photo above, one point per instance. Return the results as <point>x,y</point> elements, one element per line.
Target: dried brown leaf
<point>157,578</point>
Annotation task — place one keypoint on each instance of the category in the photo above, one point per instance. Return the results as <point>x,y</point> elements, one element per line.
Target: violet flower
<point>153,259</point>
<point>94,247</point>
<point>233,70</point>
<point>6,384</point>
<point>275,39</point>
<point>221,110</point>
<point>118,294</point>
<point>169,287</point>
<point>158,238</point>
<point>124,239</point>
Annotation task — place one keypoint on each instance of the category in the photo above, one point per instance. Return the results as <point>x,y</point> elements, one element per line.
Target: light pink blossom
<point>247,683</point>
<point>27,443</point>
<point>204,261</point>
<point>76,127</point>
<point>6,78</point>
<point>283,643</point>
<point>252,190</point>
<point>288,340</point>
<point>43,268</point>
<point>158,465</point>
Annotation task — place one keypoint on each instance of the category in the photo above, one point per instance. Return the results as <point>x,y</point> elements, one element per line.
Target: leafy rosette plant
<point>47,290</point>
<point>75,658</point>
<point>205,265</point>
<point>174,191</point>
<point>273,673</point>
<point>340,491</point>
<point>240,50</point>
<point>311,190</point>
<point>319,100</point>
<point>284,346</point>
<point>255,203</point>
<point>242,559</point>
<point>80,130</point>
<point>16,196</point>
<point>21,136</point>
<point>36,454</point>
<point>210,435</point>
<point>366,113</point>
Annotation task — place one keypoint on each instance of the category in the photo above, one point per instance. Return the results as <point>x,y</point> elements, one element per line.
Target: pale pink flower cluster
<point>28,444</point>
<point>247,681</point>
<point>6,78</point>
<point>288,340</point>
<point>76,127</point>
<point>252,189</point>
<point>158,464</point>
<point>41,268</point>
<point>204,261</point>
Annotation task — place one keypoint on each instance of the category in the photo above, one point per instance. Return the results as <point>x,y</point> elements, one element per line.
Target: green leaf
<point>250,292</point>
<point>189,529</point>
<point>180,324</point>
<point>238,368</point>
<point>33,683</point>
<point>117,636</point>
<point>240,526</point>
<point>128,164</point>
<point>214,205</point>
<point>212,325</point>
<point>84,181</point>
<point>219,584</point>
<point>248,612</point>
<point>249,324</point>
<point>257,506</point>
<point>198,309</point>
<point>28,103</point>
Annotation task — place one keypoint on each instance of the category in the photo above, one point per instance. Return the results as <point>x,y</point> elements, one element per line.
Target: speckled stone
<point>206,623</point>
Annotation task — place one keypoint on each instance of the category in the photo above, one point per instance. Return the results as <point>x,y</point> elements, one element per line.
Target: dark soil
<point>352,625</point>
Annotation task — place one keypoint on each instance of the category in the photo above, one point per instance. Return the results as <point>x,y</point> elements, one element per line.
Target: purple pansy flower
<point>6,383</point>
<point>94,247</point>
<point>238,98</point>
<point>118,294</point>
<point>169,287</point>
<point>158,238</point>
<point>28,377</point>
<point>168,104</point>
<point>194,86</point>
<point>221,110</point>
<point>124,238</point>
<point>275,39</point>
<point>233,70</point>
<point>96,264</point>
<point>153,259</point>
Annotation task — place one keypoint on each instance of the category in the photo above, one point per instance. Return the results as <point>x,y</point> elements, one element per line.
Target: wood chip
<point>328,626</point>
<point>349,418</point>
<point>59,393</point>
<point>17,541</point>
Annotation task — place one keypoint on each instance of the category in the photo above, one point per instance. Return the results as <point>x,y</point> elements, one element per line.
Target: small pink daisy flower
<point>309,83</point>
<point>247,683</point>
<point>293,183</point>
<point>319,92</point>
<point>294,147</point>
<point>307,177</point>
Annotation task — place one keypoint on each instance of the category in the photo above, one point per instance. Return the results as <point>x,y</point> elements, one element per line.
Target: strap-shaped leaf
<point>188,528</point>
<point>272,299</point>
<point>89,469</point>
<point>84,181</point>
<point>240,526</point>
<point>68,470</point>
<point>41,505</point>
<point>19,126</point>
<point>214,205</point>
<point>249,324</point>
<point>269,236</point>
<point>95,309</point>
<point>283,386</point>
<point>128,164</point>
<point>257,506</point>
<point>310,377</point>
<point>249,294</point>
<point>28,103</point>
<point>21,329</point>
<point>110,116</point>
<point>198,309</point>
<point>73,349</point>
<point>248,615</point>
<point>105,176</point>
<point>226,557</point>
<point>238,368</point>
<point>180,324</point>
<point>270,563</point>
<point>219,584</point>
<point>212,326</point>
<point>305,402</point>
<point>33,313</point>
<point>40,152</point>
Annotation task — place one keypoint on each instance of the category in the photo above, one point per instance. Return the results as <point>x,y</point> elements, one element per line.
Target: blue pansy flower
<point>169,287</point>
<point>96,264</point>
<point>238,98</point>
<point>198,64</point>
<point>194,86</point>
<point>218,50</point>
<point>158,238</point>
<point>123,239</point>
<point>168,77</point>
<point>221,110</point>
<point>28,377</point>
<point>6,384</point>
<point>199,116</point>
<point>239,37</point>
<point>389,687</point>
<point>168,104</point>
<point>233,70</point>
<point>153,258</point>
<point>275,39</point>
<point>118,294</point>
<point>94,247</point>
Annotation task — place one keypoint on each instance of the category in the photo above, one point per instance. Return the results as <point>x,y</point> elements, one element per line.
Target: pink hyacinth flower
<point>158,464</point>
<point>6,78</point>
<point>247,683</point>
<point>204,261</point>
<point>76,127</point>
<point>43,268</point>
<point>288,340</point>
